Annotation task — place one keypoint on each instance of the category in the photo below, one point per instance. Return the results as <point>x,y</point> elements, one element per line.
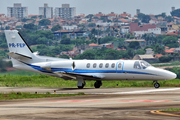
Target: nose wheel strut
<point>156,85</point>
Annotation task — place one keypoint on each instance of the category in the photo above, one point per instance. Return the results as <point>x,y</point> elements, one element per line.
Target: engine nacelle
<point>56,64</point>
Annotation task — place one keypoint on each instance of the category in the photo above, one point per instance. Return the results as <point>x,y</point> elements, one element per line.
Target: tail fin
<point>16,44</point>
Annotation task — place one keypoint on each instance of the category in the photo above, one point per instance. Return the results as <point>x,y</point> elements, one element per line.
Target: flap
<point>74,75</point>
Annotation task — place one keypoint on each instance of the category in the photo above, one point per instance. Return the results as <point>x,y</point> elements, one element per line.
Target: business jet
<point>24,58</point>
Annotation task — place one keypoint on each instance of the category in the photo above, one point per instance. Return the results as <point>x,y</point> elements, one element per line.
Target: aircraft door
<point>119,70</point>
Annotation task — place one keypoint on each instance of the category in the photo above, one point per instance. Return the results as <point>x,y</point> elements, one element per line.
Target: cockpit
<point>141,64</point>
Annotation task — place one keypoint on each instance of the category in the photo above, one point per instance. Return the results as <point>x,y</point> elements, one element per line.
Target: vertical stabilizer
<point>16,43</point>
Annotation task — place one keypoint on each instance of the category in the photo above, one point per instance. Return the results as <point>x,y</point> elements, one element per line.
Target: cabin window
<point>88,65</point>
<point>119,65</point>
<point>113,65</point>
<point>94,65</point>
<point>107,65</point>
<point>100,65</point>
<point>137,65</point>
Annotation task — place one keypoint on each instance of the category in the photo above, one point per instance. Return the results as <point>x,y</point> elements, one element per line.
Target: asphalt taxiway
<point>103,104</point>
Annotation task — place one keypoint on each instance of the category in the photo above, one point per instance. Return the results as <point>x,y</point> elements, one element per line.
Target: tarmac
<point>102,104</point>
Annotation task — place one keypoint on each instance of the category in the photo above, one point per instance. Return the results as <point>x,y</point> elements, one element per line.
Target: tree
<point>56,28</point>
<point>165,59</point>
<point>140,16</point>
<point>144,18</point>
<point>169,19</point>
<point>140,52</point>
<point>176,13</point>
<point>30,26</point>
<point>64,56</point>
<point>171,41</point>
<point>44,22</point>
<point>134,45</point>
<point>3,45</point>
<point>65,40</point>
<point>158,49</point>
<point>91,25</point>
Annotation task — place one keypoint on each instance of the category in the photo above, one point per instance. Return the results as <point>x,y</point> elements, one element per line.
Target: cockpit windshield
<point>144,64</point>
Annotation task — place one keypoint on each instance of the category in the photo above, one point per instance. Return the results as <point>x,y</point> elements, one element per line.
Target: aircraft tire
<point>156,85</point>
<point>97,84</point>
<point>81,87</point>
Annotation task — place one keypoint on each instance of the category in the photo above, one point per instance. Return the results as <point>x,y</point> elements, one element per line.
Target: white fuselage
<point>100,69</point>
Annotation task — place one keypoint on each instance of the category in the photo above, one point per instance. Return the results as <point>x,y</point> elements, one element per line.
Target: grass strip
<point>171,109</point>
<point>167,64</point>
<point>48,81</point>
<point>24,95</point>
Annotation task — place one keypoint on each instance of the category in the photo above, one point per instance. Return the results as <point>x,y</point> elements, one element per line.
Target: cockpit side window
<point>144,64</point>
<point>137,65</point>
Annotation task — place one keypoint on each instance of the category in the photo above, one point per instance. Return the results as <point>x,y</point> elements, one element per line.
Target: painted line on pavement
<point>162,113</point>
<point>69,101</point>
<point>156,101</point>
<point>141,91</point>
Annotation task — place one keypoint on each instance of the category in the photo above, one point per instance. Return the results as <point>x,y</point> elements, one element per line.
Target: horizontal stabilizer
<point>18,56</point>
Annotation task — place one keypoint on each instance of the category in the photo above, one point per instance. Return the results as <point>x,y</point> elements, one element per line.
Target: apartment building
<point>46,11</point>
<point>65,12</point>
<point>17,11</point>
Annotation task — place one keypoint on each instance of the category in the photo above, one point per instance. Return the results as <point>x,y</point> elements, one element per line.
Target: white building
<point>124,29</point>
<point>46,11</point>
<point>17,11</point>
<point>153,30</point>
<point>69,27</point>
<point>65,12</point>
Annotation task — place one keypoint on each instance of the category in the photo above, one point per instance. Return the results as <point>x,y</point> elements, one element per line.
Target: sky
<point>94,6</point>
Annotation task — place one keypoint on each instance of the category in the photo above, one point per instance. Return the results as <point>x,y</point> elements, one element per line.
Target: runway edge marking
<point>161,113</point>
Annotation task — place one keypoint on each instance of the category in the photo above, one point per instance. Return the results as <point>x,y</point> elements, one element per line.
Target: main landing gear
<point>97,84</point>
<point>156,85</point>
<point>81,83</point>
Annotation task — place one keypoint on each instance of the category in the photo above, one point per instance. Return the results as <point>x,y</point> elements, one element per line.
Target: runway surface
<point>101,104</point>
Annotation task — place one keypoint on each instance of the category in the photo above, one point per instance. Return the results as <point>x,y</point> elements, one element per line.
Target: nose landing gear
<point>156,85</point>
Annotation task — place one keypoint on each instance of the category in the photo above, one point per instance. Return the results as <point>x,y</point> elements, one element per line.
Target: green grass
<point>22,95</point>
<point>171,109</point>
<point>48,81</point>
<point>20,72</point>
<point>166,64</point>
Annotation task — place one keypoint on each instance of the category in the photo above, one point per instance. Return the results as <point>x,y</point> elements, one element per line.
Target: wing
<point>74,75</point>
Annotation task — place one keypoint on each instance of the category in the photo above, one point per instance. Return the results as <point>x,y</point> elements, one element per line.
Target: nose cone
<point>171,75</point>
<point>165,74</point>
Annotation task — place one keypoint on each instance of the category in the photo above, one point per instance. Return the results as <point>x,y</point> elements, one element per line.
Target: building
<point>46,11</point>
<point>138,31</point>
<point>173,8</point>
<point>65,12</point>
<point>149,56</point>
<point>17,11</point>
<point>137,11</point>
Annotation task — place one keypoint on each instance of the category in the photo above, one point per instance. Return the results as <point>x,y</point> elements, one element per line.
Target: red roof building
<point>134,27</point>
<point>93,44</point>
<point>173,33</point>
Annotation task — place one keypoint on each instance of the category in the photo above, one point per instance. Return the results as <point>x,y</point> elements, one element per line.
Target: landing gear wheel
<point>97,84</point>
<point>156,85</point>
<point>83,84</point>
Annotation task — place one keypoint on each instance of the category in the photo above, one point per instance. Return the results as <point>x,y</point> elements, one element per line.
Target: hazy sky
<point>95,6</point>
